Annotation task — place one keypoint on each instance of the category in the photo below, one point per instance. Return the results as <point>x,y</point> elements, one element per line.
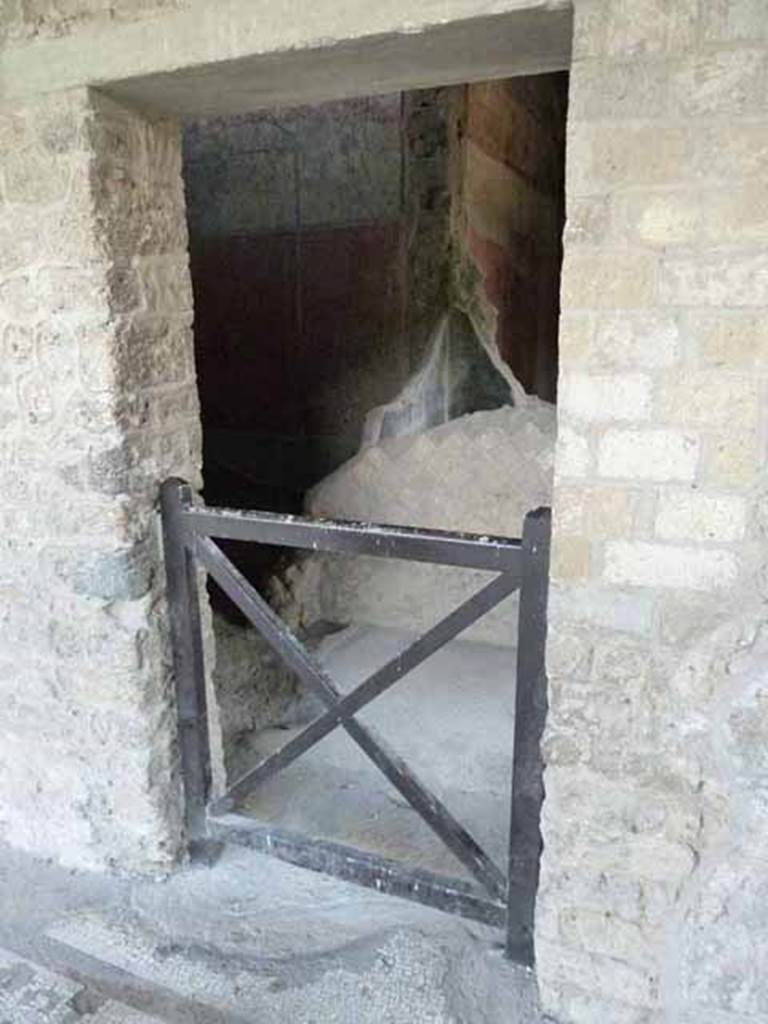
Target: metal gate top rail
<point>440,547</point>
<point>188,532</point>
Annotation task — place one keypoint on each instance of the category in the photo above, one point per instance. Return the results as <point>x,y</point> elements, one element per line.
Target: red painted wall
<point>513,167</point>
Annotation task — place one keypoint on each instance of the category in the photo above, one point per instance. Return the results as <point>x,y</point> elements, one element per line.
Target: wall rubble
<point>481,473</point>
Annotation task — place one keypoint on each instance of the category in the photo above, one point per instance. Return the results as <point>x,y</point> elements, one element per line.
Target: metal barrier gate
<point>502,899</point>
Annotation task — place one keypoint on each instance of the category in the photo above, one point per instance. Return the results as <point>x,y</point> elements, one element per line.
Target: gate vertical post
<point>530,714</point>
<point>188,661</point>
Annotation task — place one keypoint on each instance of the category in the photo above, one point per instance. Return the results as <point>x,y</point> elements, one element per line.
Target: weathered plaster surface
<point>97,404</point>
<point>508,219</point>
<point>26,20</point>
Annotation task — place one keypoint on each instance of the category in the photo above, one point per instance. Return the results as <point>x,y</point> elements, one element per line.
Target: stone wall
<point>97,404</point>
<point>652,902</point>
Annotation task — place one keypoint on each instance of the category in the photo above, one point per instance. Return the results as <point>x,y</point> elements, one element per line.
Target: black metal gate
<point>504,899</point>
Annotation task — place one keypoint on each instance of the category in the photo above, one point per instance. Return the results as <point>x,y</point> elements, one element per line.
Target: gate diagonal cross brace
<point>310,671</point>
<point>460,619</point>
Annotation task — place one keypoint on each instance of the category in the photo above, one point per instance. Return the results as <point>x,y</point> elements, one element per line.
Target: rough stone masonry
<point>653,895</point>
<point>97,403</point>
<point>652,904</point>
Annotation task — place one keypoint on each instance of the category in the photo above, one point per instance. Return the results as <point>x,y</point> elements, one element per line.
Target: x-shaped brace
<point>341,708</point>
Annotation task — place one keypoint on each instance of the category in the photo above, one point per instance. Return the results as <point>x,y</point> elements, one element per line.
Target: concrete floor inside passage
<point>451,719</point>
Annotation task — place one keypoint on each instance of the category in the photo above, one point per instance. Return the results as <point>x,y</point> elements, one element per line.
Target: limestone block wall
<point>97,404</point>
<point>652,901</point>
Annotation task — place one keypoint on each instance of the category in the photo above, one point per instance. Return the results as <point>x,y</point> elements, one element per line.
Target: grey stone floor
<point>31,994</point>
<point>247,939</point>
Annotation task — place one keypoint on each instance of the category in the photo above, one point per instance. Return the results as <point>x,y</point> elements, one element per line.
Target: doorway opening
<point>376,302</point>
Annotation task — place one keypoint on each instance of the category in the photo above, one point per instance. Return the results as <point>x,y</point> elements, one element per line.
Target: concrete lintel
<point>222,59</point>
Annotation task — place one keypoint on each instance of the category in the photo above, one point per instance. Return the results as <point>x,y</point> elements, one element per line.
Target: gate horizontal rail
<point>346,537</point>
<point>190,532</point>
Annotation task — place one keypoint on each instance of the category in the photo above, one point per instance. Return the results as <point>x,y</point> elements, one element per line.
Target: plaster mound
<point>480,473</point>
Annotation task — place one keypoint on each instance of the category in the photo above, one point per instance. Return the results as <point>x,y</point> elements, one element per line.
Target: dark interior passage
<point>308,311</point>
<point>376,302</point>
<point>327,242</point>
